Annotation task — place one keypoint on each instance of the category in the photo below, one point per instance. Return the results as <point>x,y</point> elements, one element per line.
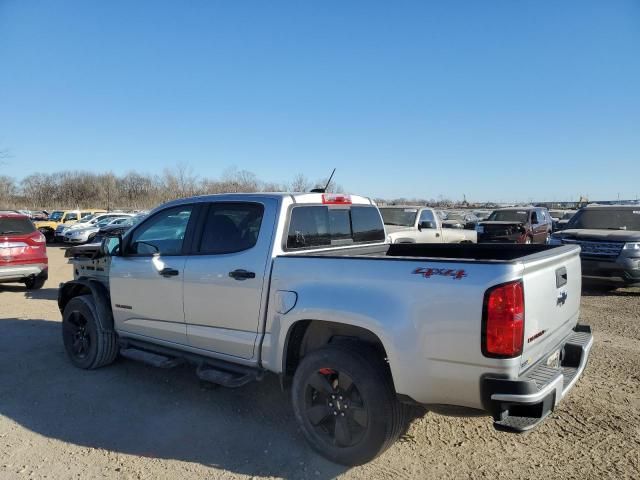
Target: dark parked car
<point>118,229</point>
<point>466,220</point>
<point>516,225</point>
<point>609,236</point>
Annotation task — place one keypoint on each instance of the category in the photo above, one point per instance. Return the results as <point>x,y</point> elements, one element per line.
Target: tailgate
<point>12,251</point>
<point>552,289</point>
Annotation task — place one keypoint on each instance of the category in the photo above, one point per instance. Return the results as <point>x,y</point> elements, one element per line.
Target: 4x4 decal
<point>428,272</point>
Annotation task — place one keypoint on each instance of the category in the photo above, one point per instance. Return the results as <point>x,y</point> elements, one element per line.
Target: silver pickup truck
<point>366,333</point>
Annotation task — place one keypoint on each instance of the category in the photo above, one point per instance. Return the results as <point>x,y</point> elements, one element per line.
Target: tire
<point>34,283</point>
<point>330,380</point>
<point>48,235</point>
<point>87,344</point>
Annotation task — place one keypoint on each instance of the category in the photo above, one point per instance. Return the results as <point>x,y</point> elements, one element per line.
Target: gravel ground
<point>133,421</point>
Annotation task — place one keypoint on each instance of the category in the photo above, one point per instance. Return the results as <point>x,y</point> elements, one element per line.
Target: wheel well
<point>100,296</point>
<point>308,335</point>
<point>69,291</point>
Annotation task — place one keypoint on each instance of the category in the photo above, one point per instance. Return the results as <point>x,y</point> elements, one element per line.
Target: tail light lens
<point>36,239</point>
<point>503,321</point>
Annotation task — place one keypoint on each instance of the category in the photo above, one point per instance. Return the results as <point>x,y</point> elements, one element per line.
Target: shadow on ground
<point>139,410</point>
<point>608,289</point>
<point>41,294</point>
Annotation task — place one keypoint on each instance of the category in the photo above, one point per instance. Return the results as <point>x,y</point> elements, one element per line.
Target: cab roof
<point>12,214</point>
<point>295,197</point>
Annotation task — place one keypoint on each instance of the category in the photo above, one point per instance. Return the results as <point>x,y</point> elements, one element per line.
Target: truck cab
<point>414,224</point>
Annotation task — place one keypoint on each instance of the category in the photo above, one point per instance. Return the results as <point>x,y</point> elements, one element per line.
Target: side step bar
<point>153,359</point>
<point>211,370</point>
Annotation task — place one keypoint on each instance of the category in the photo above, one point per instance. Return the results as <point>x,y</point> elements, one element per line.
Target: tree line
<point>134,190</point>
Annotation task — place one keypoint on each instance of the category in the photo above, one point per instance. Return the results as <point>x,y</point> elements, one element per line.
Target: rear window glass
<point>16,226</point>
<point>606,219</point>
<point>320,226</point>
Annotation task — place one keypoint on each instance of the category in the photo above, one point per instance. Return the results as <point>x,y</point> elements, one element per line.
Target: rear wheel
<point>345,403</point>
<point>34,283</point>
<point>87,344</point>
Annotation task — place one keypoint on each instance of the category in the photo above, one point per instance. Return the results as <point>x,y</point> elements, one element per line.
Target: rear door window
<point>231,227</point>
<point>16,226</point>
<point>321,226</point>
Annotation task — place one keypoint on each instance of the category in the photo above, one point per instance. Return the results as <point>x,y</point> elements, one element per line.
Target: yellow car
<point>62,217</point>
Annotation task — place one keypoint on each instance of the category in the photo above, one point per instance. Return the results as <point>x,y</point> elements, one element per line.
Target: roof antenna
<point>323,190</point>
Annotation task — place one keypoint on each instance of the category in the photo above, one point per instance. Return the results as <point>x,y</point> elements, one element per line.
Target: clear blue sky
<point>498,100</point>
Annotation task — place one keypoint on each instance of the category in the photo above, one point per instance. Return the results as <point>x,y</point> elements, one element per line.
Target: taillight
<point>503,321</point>
<point>36,239</point>
<point>336,199</point>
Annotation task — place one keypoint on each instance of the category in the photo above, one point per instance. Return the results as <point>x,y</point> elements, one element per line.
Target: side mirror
<point>111,246</point>
<point>426,224</point>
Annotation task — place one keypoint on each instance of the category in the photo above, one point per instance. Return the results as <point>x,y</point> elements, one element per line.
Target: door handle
<point>169,272</point>
<point>437,235</point>
<point>241,274</point>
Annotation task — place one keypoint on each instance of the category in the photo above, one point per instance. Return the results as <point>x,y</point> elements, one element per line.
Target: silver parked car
<point>86,234</point>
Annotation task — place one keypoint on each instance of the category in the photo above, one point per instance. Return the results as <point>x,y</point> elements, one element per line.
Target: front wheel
<point>345,404</point>
<point>87,344</point>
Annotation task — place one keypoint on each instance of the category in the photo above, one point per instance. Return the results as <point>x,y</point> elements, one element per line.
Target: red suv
<point>23,251</point>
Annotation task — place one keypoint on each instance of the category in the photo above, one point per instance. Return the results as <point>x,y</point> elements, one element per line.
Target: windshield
<point>606,219</point>
<point>405,217</point>
<point>455,216</point>
<point>104,222</point>
<point>87,219</point>
<point>56,216</point>
<point>521,216</point>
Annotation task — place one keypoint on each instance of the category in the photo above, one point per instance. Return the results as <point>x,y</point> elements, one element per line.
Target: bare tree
<point>300,183</point>
<point>7,191</point>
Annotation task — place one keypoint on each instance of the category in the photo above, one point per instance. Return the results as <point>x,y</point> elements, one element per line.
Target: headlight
<point>632,246</point>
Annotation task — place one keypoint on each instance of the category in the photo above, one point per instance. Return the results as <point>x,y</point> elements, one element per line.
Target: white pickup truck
<point>407,224</point>
<point>367,333</point>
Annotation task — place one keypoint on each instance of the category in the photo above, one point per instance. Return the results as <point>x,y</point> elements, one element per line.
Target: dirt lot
<point>132,421</point>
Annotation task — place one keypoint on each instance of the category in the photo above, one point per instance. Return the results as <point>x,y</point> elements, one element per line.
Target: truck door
<point>429,230</point>
<point>146,282</point>
<point>225,277</point>
<point>538,228</point>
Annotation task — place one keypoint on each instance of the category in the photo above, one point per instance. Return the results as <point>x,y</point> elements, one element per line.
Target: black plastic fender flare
<point>100,294</point>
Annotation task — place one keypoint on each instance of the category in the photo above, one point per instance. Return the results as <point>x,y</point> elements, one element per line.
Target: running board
<point>226,378</point>
<point>153,359</point>
<point>220,372</point>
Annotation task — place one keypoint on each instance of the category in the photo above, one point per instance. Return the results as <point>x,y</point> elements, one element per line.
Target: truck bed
<point>469,252</point>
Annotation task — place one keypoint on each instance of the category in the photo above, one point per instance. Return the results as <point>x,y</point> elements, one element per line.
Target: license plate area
<point>553,360</point>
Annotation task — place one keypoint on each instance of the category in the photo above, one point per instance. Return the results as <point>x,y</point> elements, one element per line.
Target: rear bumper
<point>521,404</point>
<point>19,273</point>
